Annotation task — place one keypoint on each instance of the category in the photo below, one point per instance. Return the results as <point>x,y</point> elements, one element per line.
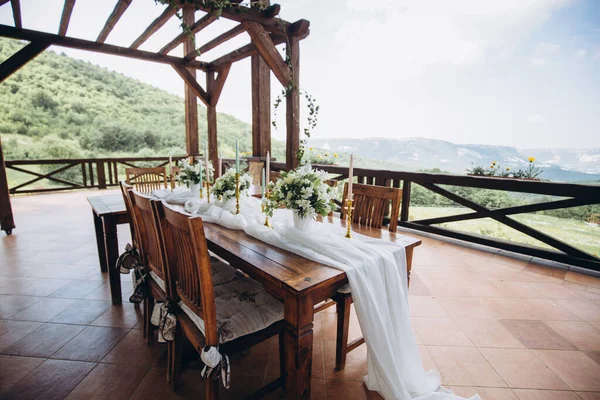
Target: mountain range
<point>422,153</point>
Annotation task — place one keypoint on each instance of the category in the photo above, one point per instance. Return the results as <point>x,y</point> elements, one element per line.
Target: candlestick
<point>237,193</point>
<point>200,173</point>
<point>350,177</point>
<point>349,209</point>
<point>206,158</point>
<point>171,172</point>
<point>264,182</point>
<point>237,157</point>
<point>267,223</point>
<point>207,191</point>
<point>268,167</point>
<point>220,166</point>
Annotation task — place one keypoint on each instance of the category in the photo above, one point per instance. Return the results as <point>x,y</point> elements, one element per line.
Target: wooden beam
<point>73,43</point>
<point>20,58</point>
<point>3,2</point>
<point>265,46</point>
<point>241,53</point>
<point>211,118</point>
<point>112,20</point>
<point>222,38</point>
<point>16,9</point>
<point>215,92</point>
<point>261,107</point>
<point>195,28</point>
<point>7,223</point>
<point>292,103</point>
<point>66,17</point>
<point>192,139</point>
<point>154,26</point>
<point>192,83</point>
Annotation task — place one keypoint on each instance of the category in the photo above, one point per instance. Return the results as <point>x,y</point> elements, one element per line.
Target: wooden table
<point>296,281</point>
<point>108,212</point>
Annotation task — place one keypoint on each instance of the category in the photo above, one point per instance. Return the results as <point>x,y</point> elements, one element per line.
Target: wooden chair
<point>202,295</point>
<point>152,256</point>
<point>125,189</point>
<point>146,180</point>
<point>371,205</point>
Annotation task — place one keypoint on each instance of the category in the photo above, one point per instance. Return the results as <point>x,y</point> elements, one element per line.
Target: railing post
<point>100,174</point>
<point>404,209</point>
<point>7,223</point>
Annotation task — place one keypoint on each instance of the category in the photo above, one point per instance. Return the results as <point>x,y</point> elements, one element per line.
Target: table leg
<point>111,244</point>
<point>409,258</point>
<point>100,241</point>
<point>298,342</point>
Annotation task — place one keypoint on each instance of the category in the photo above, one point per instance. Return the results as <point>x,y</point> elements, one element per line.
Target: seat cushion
<point>243,307</point>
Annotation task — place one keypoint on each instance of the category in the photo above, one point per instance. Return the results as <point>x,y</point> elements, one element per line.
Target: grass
<point>576,233</point>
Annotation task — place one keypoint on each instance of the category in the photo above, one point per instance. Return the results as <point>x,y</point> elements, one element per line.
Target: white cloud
<point>538,61</point>
<point>535,119</point>
<point>581,53</point>
<point>547,48</point>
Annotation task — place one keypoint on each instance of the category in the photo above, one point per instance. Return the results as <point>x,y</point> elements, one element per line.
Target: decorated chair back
<point>125,189</point>
<point>188,264</point>
<point>146,229</point>
<point>146,180</point>
<point>372,204</point>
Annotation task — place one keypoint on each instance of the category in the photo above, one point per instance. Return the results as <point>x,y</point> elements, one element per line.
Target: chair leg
<point>211,389</point>
<point>148,327</point>
<point>343,325</point>
<point>282,369</point>
<point>175,358</point>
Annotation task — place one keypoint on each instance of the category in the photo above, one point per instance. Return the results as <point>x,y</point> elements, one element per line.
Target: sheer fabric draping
<point>376,270</point>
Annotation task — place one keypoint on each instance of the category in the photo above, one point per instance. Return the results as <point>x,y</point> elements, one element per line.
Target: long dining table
<point>297,282</point>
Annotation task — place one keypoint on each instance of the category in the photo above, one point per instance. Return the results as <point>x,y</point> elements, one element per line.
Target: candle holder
<point>207,191</point>
<point>237,193</point>
<point>349,209</point>
<point>267,222</point>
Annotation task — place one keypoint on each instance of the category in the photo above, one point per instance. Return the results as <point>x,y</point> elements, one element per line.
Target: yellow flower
<point>508,169</point>
<point>319,156</point>
<point>326,155</point>
<point>492,166</point>
<point>531,159</point>
<point>493,162</point>
<point>335,154</point>
<point>310,149</point>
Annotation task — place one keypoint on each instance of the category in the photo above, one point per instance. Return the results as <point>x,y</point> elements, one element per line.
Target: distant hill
<point>422,153</point>
<point>60,107</point>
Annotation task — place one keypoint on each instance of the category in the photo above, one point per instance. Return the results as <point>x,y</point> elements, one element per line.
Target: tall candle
<point>200,163</point>
<point>206,158</point>
<point>264,183</point>
<point>268,172</point>
<point>350,177</point>
<point>171,171</point>
<point>220,166</point>
<point>237,157</point>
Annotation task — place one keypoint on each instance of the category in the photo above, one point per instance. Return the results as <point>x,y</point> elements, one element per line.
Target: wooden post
<point>405,205</point>
<point>293,107</point>
<point>261,107</point>
<point>211,116</point>
<point>191,102</point>
<point>7,223</point>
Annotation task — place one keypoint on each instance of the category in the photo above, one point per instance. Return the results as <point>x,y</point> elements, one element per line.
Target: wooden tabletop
<point>109,204</point>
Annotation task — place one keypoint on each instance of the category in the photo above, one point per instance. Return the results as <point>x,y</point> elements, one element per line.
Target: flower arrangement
<point>225,185</point>
<point>316,157</point>
<point>303,191</point>
<point>531,172</point>
<point>190,174</point>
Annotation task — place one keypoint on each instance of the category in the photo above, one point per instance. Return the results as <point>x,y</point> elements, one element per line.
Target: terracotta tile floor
<point>506,328</point>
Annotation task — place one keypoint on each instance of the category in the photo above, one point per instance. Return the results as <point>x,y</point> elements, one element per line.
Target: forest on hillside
<point>60,107</point>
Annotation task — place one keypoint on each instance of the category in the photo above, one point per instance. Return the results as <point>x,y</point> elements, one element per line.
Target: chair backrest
<point>125,189</point>
<point>146,230</point>
<point>274,175</point>
<point>146,180</point>
<point>188,264</point>
<point>372,203</point>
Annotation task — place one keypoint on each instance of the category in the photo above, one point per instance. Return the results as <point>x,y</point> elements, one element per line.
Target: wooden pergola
<point>265,28</point>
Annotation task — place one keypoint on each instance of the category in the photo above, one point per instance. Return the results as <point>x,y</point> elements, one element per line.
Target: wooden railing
<point>100,173</point>
<point>575,195</point>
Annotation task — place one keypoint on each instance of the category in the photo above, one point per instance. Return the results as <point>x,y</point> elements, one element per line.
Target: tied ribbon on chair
<point>130,261</point>
<point>164,318</point>
<point>215,362</point>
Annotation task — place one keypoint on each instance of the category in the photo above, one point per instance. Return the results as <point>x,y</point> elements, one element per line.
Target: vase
<point>303,224</point>
<point>195,189</point>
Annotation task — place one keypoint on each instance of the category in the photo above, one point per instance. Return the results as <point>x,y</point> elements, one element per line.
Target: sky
<point>523,73</point>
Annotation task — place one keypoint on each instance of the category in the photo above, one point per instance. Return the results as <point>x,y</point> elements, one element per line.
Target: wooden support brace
<point>112,20</point>
<point>20,58</point>
<point>195,28</point>
<point>266,48</point>
<point>154,26</point>
<point>215,93</point>
<point>192,83</point>
<point>66,17</point>
<point>222,38</point>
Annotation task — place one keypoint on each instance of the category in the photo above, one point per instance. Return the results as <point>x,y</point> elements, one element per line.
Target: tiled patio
<point>502,327</point>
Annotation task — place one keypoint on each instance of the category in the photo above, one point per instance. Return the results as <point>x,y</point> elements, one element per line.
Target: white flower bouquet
<point>189,174</point>
<point>225,185</point>
<point>303,191</point>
